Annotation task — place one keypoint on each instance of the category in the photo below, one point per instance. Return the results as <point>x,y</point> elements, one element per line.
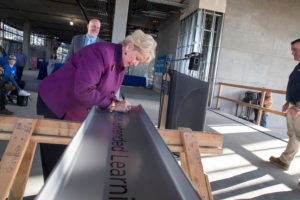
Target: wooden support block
<point>19,185</point>
<point>14,154</point>
<point>196,173</point>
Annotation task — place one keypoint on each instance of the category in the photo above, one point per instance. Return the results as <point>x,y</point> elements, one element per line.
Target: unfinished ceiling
<point>52,17</point>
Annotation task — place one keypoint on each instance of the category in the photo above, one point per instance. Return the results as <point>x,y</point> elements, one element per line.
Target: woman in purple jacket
<point>91,77</point>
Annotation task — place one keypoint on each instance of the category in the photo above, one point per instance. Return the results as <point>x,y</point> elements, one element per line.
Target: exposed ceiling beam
<point>82,10</point>
<point>35,12</point>
<point>62,2</point>
<point>155,14</point>
<point>168,2</point>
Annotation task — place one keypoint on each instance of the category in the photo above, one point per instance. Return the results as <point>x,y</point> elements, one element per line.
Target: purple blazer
<point>91,77</point>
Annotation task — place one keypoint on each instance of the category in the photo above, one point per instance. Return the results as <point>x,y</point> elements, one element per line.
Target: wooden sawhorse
<point>24,134</point>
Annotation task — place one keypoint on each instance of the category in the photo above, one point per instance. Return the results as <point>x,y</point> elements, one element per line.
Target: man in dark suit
<point>80,41</point>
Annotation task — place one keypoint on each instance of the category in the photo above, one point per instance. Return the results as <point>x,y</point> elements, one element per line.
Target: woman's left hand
<point>123,106</point>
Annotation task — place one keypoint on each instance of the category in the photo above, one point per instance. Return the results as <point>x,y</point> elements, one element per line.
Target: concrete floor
<point>241,172</point>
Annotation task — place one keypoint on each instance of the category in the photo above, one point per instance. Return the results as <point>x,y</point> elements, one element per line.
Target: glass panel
<point>206,38</point>
<point>11,33</point>
<point>218,26</point>
<point>203,62</point>
<point>37,40</point>
<point>62,52</point>
<point>199,32</point>
<point>208,21</point>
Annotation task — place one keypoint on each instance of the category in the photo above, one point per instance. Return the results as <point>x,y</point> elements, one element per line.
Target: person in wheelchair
<point>9,76</point>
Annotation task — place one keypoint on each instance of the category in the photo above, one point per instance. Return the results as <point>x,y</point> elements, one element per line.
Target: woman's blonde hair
<point>143,42</point>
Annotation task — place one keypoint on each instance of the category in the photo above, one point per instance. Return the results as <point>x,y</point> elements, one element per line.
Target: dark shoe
<point>6,112</point>
<point>9,87</point>
<point>279,163</point>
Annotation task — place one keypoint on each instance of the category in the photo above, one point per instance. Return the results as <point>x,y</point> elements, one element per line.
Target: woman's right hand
<point>123,106</point>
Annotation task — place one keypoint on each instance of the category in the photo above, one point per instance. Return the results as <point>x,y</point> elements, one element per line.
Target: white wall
<point>255,48</point>
<point>216,5</point>
<point>39,52</point>
<point>168,36</point>
<point>167,43</point>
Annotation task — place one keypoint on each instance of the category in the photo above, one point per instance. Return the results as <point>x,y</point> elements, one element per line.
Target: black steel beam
<point>118,156</point>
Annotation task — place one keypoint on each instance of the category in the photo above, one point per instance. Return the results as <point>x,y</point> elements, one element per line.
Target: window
<point>37,40</point>
<point>1,33</point>
<point>62,52</point>
<point>10,33</point>
<point>199,32</point>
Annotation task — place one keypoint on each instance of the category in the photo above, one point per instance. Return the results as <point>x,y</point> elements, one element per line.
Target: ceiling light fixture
<point>71,23</point>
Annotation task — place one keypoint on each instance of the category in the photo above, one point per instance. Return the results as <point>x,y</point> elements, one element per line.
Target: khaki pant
<point>293,126</point>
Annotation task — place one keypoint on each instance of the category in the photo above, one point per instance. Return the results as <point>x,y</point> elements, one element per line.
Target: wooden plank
<point>253,106</point>
<point>19,185</point>
<point>209,150</point>
<point>41,138</point>
<point>262,100</point>
<point>184,165</point>
<point>210,93</point>
<point>194,163</point>
<point>43,126</point>
<point>52,139</point>
<point>68,130</point>
<point>164,103</point>
<point>253,88</point>
<point>5,135</point>
<point>219,94</point>
<point>173,137</point>
<point>208,187</point>
<point>57,128</point>
<point>14,153</point>
<point>66,140</point>
<point>202,150</point>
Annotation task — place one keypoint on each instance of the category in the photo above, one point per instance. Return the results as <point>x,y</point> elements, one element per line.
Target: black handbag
<point>22,100</point>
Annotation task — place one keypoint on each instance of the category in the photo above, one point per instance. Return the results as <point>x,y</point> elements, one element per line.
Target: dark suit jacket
<point>76,44</point>
<point>92,77</point>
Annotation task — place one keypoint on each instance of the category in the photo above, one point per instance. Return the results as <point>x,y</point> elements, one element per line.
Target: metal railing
<point>259,107</point>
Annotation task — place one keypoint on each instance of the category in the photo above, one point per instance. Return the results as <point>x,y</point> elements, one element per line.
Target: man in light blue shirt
<point>80,41</point>
<point>89,40</point>
<point>21,63</point>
